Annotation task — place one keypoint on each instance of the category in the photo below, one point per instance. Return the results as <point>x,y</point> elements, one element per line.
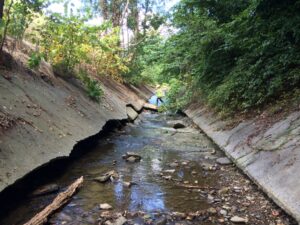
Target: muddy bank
<point>43,116</point>
<point>267,152</point>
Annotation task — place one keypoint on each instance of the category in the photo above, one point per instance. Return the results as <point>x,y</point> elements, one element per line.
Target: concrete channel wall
<point>43,116</point>
<point>269,155</point>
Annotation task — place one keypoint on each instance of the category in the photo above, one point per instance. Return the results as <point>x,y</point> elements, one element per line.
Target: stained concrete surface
<point>270,156</point>
<point>43,116</point>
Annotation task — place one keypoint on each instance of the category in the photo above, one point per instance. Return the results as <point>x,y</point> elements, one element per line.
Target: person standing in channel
<point>159,95</point>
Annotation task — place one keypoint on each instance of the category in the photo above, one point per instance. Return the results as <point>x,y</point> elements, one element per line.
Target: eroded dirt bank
<point>266,149</point>
<point>43,116</point>
<point>182,178</point>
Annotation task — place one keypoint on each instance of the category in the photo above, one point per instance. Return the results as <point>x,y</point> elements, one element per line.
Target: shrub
<point>177,95</point>
<point>35,60</point>
<point>92,86</point>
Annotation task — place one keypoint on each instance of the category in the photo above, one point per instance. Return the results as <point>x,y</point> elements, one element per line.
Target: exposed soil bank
<point>268,153</point>
<point>42,116</point>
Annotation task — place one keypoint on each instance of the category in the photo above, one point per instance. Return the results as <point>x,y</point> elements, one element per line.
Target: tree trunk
<point>5,32</point>
<point>1,9</point>
<point>147,4</point>
<point>137,20</point>
<point>104,9</point>
<point>116,12</point>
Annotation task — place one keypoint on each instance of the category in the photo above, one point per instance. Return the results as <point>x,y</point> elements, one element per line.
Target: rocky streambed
<point>159,170</point>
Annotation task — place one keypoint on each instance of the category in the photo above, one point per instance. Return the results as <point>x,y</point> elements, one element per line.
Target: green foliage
<point>35,60</point>
<point>177,96</point>
<point>61,41</point>
<point>21,15</point>
<point>68,43</point>
<point>144,66</point>
<point>92,86</point>
<point>238,55</point>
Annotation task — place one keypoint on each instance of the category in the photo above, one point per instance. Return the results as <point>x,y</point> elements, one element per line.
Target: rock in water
<point>47,189</point>
<point>120,221</point>
<point>212,210</point>
<point>224,161</point>
<point>185,163</point>
<point>105,206</point>
<point>178,126</point>
<point>174,164</point>
<point>237,219</point>
<point>132,157</point>
<point>223,212</point>
<point>129,154</point>
<point>169,171</point>
<point>102,179</point>
<point>110,175</point>
<point>207,166</point>
<point>179,215</point>
<point>128,184</point>
<point>161,221</point>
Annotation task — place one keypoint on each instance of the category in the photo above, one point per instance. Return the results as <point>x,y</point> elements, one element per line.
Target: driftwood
<point>61,199</point>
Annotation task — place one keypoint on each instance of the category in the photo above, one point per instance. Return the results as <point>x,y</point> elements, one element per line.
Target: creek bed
<point>178,181</point>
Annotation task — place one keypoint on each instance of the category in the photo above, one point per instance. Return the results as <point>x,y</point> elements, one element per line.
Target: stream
<point>178,181</point>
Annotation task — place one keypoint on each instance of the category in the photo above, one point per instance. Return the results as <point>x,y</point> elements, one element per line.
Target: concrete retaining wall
<point>269,155</point>
<point>42,117</point>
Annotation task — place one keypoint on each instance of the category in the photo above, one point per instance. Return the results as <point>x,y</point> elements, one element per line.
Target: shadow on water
<point>17,194</point>
<point>159,145</point>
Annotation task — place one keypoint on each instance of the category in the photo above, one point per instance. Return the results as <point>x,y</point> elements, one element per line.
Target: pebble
<point>106,215</point>
<point>110,175</point>
<point>210,197</point>
<point>223,161</point>
<point>184,163</point>
<point>179,215</point>
<point>212,210</point>
<point>169,171</point>
<point>132,159</point>
<point>237,219</point>
<point>223,212</point>
<point>105,206</point>
<point>167,177</point>
<point>64,217</point>
<point>161,221</point>
<point>127,184</point>
<point>174,164</point>
<point>223,190</point>
<point>120,221</point>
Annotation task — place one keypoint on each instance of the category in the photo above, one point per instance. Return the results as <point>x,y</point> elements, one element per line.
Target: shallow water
<point>159,145</point>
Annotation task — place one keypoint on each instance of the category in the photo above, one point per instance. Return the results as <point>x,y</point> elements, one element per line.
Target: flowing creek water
<point>178,181</point>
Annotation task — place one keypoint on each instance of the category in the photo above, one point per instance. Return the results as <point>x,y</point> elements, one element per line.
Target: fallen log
<point>61,199</point>
<point>149,106</point>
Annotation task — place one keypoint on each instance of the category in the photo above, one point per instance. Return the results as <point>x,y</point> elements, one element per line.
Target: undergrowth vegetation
<point>235,56</point>
<point>74,48</point>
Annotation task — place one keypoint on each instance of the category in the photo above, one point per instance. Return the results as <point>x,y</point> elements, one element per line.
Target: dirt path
<point>182,178</point>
